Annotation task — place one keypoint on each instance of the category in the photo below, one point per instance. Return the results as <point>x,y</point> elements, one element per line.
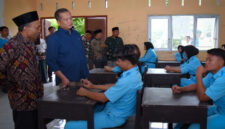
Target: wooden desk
<point>65,104</point>
<point>100,76</point>
<point>160,105</point>
<point>162,64</point>
<point>158,77</point>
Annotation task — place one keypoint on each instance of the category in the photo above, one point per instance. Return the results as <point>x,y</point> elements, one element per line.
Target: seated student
<point>117,69</point>
<point>190,66</point>
<point>120,97</point>
<point>223,46</point>
<point>180,54</point>
<point>150,56</point>
<point>211,87</point>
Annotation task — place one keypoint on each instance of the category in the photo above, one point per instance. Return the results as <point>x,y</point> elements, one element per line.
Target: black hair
<point>97,31</point>
<point>148,45</point>
<point>51,27</point>
<point>191,51</point>
<point>223,45</point>
<point>217,52</point>
<point>128,52</point>
<point>182,50</point>
<point>88,31</point>
<point>57,12</point>
<point>3,27</point>
<point>115,28</point>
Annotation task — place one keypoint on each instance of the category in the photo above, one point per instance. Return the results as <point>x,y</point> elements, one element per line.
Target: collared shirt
<point>19,68</point>
<point>3,41</point>
<point>65,52</point>
<point>149,58</point>
<point>122,96</point>
<point>88,49</point>
<point>215,89</point>
<point>112,44</point>
<point>190,67</point>
<point>99,52</point>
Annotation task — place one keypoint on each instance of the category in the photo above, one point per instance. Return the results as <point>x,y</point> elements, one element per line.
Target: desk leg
<point>203,124</point>
<point>90,121</point>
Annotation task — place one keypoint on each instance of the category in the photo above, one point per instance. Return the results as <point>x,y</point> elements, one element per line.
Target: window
<point>167,32</point>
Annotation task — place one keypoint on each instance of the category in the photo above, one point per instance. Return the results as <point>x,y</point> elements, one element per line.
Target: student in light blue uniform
<point>180,57</point>
<point>120,97</point>
<point>150,57</point>
<point>190,66</point>
<point>4,35</point>
<point>212,87</point>
<point>117,69</point>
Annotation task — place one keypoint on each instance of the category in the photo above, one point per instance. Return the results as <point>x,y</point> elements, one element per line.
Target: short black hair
<point>191,51</point>
<point>148,45</point>
<point>223,45</point>
<point>97,31</point>
<point>128,52</point>
<point>61,10</point>
<point>217,52</point>
<point>88,31</point>
<point>182,48</point>
<point>115,28</point>
<point>3,27</point>
<point>51,27</point>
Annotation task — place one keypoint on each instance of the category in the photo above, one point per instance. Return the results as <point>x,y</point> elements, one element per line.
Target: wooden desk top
<point>100,71</point>
<point>67,96</point>
<point>160,71</point>
<point>165,97</point>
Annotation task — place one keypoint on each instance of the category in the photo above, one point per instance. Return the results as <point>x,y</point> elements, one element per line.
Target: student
<point>223,46</point>
<point>150,56</point>
<point>180,54</point>
<point>117,69</point>
<point>212,87</point>
<point>190,66</point>
<point>120,97</point>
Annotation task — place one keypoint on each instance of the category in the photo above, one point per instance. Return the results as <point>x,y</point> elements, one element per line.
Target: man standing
<point>113,42</point>
<point>100,59</point>
<point>65,52</point>
<point>51,30</point>
<point>18,61</point>
<point>4,31</point>
<point>88,48</point>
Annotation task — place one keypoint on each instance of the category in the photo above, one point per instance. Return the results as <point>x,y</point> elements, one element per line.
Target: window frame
<point>170,26</point>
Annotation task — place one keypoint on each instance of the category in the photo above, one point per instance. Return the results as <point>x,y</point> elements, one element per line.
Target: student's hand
<point>167,68</point>
<point>65,83</point>
<point>176,89</point>
<point>87,84</point>
<point>201,70</point>
<point>108,68</point>
<point>82,92</point>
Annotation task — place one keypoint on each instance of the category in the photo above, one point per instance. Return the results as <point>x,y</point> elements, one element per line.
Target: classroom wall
<point>130,15</point>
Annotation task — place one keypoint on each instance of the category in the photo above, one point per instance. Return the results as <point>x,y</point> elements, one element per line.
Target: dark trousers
<point>49,74</point>
<point>25,119</point>
<point>100,63</point>
<point>43,70</point>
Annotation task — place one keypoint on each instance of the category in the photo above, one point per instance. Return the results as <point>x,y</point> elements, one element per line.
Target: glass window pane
<point>205,35</point>
<point>159,33</point>
<point>182,27</point>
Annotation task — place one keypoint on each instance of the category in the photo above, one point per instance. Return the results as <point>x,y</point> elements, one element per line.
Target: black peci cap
<point>26,18</point>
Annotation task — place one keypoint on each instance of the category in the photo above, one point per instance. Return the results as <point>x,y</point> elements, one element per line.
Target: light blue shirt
<point>190,67</point>
<point>3,41</point>
<point>179,58</point>
<point>149,58</point>
<point>116,69</point>
<point>215,89</point>
<point>122,96</point>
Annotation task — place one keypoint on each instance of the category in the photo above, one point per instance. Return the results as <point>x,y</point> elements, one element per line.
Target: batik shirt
<point>19,73</point>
